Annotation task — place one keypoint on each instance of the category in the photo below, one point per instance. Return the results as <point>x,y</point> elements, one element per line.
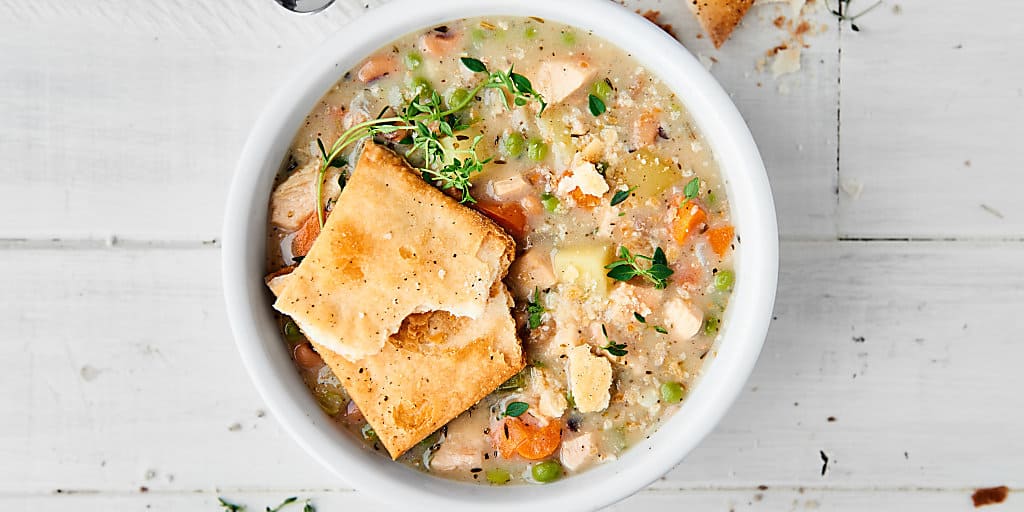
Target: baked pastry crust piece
<point>719,17</point>
<point>393,247</point>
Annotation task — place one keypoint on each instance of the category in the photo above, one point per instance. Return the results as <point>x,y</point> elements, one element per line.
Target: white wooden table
<point>897,350</point>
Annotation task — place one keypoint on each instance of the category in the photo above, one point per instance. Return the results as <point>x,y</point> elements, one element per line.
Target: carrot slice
<point>515,436</point>
<point>305,236</point>
<point>689,219</point>
<point>507,215</point>
<point>542,443</point>
<point>720,239</point>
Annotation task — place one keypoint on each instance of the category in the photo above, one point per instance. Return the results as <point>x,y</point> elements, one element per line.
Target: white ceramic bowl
<point>743,328</point>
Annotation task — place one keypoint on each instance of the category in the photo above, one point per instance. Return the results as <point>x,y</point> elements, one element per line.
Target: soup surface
<point>623,236</point>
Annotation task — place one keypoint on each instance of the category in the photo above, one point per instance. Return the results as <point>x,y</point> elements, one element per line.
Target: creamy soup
<point>623,236</point>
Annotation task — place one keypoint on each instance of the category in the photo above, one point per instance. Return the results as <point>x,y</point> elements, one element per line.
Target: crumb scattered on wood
<point>990,495</point>
<point>655,17</point>
<point>831,419</point>
<point>235,427</point>
<point>706,61</point>
<point>858,339</point>
<point>992,210</point>
<point>89,373</point>
<point>852,188</point>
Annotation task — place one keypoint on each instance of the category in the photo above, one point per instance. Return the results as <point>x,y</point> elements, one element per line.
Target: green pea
<point>413,60</point>
<point>671,392</point>
<point>569,37</point>
<point>498,476</point>
<point>724,280</point>
<point>711,324</point>
<point>514,145</point>
<point>530,32</point>
<point>602,89</point>
<point>330,402</point>
<point>421,86</point>
<point>547,471</point>
<point>549,201</point>
<point>368,432</point>
<point>292,334</point>
<point>458,97</point>
<point>537,150</point>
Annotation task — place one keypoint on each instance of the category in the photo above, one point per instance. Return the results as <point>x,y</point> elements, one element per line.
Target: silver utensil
<point>305,6</point>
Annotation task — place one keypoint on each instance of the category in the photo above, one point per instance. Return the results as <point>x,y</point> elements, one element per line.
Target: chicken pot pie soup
<point>500,249</point>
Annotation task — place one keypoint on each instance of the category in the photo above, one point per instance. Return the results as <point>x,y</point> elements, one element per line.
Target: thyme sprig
<point>429,121</point>
<point>627,267</point>
<point>615,349</point>
<point>535,309</point>
<point>843,12</point>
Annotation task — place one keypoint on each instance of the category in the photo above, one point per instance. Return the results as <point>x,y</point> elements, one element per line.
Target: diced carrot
<point>720,239</point>
<point>509,216</point>
<point>689,219</point>
<point>305,236</point>
<point>514,436</point>
<point>584,200</point>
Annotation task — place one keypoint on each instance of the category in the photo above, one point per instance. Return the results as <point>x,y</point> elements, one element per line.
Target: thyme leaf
<point>615,349</point>
<point>627,267</point>
<point>535,309</point>
<point>621,196</point>
<point>516,409</point>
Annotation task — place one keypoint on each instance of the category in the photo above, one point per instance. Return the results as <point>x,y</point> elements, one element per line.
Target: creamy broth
<point>551,184</point>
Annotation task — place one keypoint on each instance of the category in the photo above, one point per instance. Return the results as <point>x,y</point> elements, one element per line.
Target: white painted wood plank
<point>737,500</point>
<point>120,364</point>
<point>931,108</point>
<point>793,118</point>
<point>128,122</point>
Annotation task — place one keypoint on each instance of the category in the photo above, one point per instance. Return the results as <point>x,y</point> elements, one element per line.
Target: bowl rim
<point>744,325</point>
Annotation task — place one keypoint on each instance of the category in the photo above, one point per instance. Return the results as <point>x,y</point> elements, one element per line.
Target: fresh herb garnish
<point>230,507</point>
<point>692,188</point>
<point>640,318</point>
<point>514,382</point>
<point>516,409</point>
<point>597,107</point>
<point>474,65</point>
<point>456,175</point>
<point>428,120</point>
<point>627,267</point>
<point>285,503</point>
<point>615,349</point>
<point>621,196</point>
<point>843,12</point>
<point>535,309</point>
<point>233,507</point>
